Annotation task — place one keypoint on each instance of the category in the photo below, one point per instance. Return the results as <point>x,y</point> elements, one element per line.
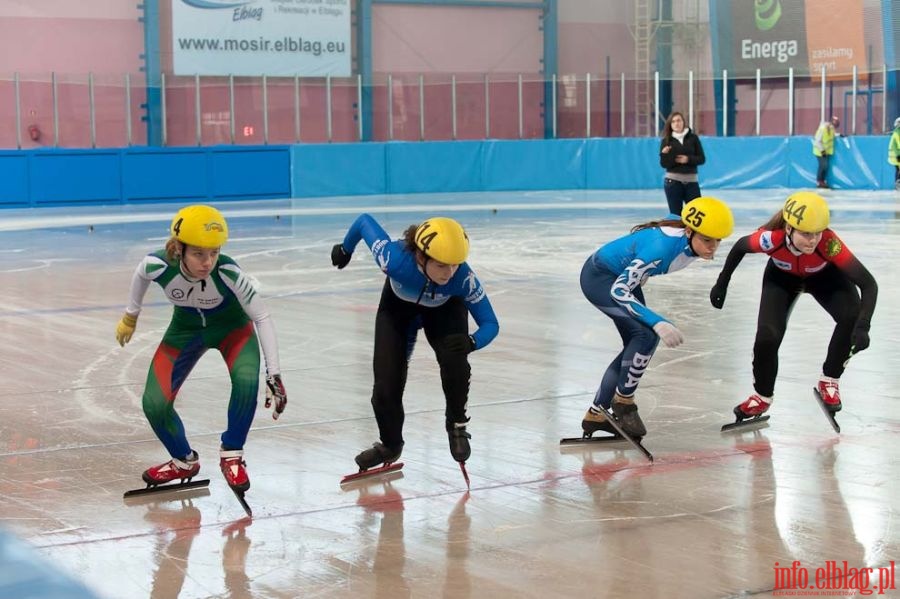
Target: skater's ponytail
<point>775,223</point>
<point>409,238</point>
<point>174,250</point>
<point>666,222</point>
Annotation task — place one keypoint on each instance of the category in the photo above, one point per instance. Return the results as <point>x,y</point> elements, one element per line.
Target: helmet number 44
<point>694,216</point>
<point>795,210</point>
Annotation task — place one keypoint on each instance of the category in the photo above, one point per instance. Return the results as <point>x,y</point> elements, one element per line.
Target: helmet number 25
<point>794,210</point>
<point>694,217</point>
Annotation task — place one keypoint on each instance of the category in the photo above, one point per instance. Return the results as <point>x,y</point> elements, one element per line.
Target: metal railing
<point>111,111</point>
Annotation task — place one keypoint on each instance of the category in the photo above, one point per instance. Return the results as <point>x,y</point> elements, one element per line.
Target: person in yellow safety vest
<point>894,152</point>
<point>823,148</point>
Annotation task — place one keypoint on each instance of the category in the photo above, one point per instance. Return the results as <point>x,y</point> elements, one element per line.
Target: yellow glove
<point>125,329</point>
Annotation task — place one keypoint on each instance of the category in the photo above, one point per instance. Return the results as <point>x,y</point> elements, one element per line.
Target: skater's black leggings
<point>395,332</point>
<point>780,290</point>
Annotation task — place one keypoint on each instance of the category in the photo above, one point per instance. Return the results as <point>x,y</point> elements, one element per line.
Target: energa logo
<point>226,3</point>
<point>767,13</point>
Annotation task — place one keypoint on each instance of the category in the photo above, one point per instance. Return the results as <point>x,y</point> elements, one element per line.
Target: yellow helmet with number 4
<point>708,216</point>
<point>443,239</point>
<point>200,226</point>
<point>806,211</point>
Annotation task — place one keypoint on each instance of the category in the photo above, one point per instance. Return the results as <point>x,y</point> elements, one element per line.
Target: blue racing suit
<point>611,280</point>
<point>410,301</point>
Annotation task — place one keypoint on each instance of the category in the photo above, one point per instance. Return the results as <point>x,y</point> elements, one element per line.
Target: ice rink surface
<point>709,519</point>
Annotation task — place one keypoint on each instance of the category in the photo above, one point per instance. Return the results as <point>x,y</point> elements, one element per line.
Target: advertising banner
<point>310,38</point>
<point>775,35</point>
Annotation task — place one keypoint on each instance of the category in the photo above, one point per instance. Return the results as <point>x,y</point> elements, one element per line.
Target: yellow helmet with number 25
<point>200,226</point>
<point>443,239</point>
<point>708,216</point>
<point>806,211</point>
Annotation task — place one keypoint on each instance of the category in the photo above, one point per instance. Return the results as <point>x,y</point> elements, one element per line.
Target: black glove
<point>859,340</point>
<point>717,295</point>
<point>275,392</point>
<point>339,256</point>
<point>458,343</point>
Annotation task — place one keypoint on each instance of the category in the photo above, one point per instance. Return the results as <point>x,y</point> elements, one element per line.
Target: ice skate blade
<point>592,440</point>
<point>372,472</point>
<point>746,424</point>
<point>635,442</point>
<point>828,413</point>
<point>242,501</point>
<point>191,484</point>
<point>462,466</point>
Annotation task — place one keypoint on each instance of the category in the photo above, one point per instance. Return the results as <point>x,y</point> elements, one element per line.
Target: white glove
<point>669,333</point>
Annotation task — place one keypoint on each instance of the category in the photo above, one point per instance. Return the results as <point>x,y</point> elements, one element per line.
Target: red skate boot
<point>174,469</point>
<point>830,393</point>
<point>235,469</point>
<point>755,405</point>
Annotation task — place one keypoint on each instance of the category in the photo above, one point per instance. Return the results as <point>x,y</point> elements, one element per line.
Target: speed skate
<point>371,472</point>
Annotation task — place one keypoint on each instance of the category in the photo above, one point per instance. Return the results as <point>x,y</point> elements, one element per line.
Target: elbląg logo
<point>241,12</point>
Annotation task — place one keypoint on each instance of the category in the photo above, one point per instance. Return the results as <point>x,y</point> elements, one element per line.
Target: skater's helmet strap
<point>200,226</point>
<point>443,239</point>
<point>806,211</point>
<point>708,216</point>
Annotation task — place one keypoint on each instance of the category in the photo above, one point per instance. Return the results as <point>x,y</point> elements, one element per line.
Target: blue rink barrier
<point>596,163</point>
<point>52,177</point>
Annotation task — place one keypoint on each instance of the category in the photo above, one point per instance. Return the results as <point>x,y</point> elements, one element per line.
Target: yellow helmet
<point>806,211</point>
<point>708,216</point>
<point>200,226</point>
<point>443,239</point>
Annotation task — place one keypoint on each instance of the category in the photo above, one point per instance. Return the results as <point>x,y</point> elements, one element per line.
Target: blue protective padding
<point>533,164</point>
<point>858,163</point>
<point>14,174</point>
<point>75,176</point>
<point>249,172</point>
<point>48,176</point>
<point>431,167</point>
<point>627,163</point>
<point>26,574</point>
<point>165,175</point>
<point>745,162</point>
<point>338,169</point>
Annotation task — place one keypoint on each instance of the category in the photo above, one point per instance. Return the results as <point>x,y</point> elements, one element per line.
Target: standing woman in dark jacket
<point>680,153</point>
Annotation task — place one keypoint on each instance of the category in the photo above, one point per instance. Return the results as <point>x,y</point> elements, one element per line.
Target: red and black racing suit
<point>830,274</point>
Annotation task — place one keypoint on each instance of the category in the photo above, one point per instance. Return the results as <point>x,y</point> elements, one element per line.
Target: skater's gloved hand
<point>717,295</point>
<point>339,256</point>
<point>859,340</point>
<point>669,333</point>
<point>125,328</point>
<point>275,393</point>
<point>458,343</point>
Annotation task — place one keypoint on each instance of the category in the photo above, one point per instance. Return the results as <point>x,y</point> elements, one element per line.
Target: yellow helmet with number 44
<point>806,211</point>
<point>200,226</point>
<point>708,216</point>
<point>443,239</point>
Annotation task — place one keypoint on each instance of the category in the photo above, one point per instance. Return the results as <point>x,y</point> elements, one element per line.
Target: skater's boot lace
<point>830,393</point>
<point>234,469</point>
<point>754,405</point>
<point>459,443</point>
<point>626,413</point>
<point>595,420</point>
<point>174,469</point>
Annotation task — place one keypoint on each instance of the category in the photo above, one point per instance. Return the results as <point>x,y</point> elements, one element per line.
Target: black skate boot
<point>626,414</point>
<point>459,443</point>
<point>377,454</point>
<point>595,420</point>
